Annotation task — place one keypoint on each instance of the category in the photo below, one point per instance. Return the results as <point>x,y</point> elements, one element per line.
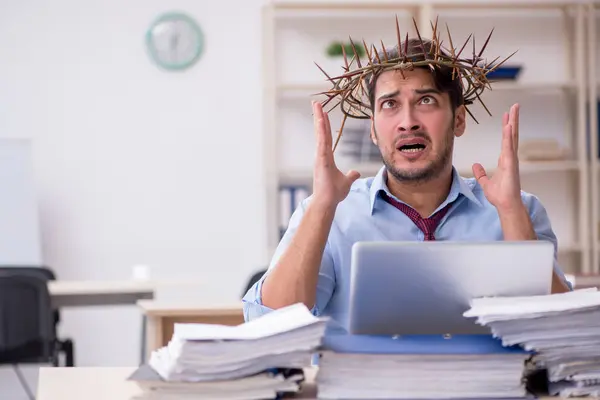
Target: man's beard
<point>423,174</point>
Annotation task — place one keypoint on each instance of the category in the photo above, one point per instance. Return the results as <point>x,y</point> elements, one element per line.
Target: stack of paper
<point>562,329</point>
<point>420,367</point>
<point>265,385</point>
<point>254,360</point>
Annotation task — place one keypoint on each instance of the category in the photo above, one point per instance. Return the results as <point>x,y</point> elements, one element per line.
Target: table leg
<point>143,340</point>
<point>154,334</point>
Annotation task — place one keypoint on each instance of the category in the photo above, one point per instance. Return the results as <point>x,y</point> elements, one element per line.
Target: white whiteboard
<point>20,238</point>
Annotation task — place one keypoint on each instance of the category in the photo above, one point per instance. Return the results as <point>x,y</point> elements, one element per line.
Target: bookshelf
<point>553,97</point>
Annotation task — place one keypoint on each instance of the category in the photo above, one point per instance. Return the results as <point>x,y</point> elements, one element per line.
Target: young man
<point>417,195</point>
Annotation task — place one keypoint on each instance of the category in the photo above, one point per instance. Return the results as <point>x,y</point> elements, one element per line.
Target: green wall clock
<point>175,41</point>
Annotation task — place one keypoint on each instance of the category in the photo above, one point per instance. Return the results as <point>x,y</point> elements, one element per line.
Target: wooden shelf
<point>440,4</point>
<point>303,175</point>
<point>568,248</point>
<point>581,281</point>
<point>532,167</point>
<point>310,14</point>
<point>308,90</point>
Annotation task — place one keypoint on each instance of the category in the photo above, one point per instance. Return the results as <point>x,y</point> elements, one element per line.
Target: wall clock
<point>175,41</point>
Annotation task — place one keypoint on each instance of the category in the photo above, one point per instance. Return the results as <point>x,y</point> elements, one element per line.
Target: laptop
<point>404,288</point>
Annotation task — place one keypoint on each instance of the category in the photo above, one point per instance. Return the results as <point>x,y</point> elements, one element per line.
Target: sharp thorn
<point>398,36</point>
<point>355,53</point>
<point>340,132</point>
<point>471,114</point>
<point>323,71</point>
<point>376,54</point>
<point>486,43</point>
<point>369,60</point>
<point>347,67</point>
<point>385,56</point>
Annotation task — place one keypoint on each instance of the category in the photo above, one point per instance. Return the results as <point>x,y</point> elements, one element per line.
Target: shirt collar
<point>459,187</point>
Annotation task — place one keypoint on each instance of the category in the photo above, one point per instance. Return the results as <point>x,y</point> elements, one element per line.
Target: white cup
<point>140,272</point>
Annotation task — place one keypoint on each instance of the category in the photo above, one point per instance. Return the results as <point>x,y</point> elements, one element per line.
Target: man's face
<point>413,125</point>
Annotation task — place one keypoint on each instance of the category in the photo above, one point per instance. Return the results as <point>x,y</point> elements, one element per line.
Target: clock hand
<point>174,43</point>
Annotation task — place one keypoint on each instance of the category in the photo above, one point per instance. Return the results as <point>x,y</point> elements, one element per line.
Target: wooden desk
<point>104,383</point>
<point>99,293</point>
<point>92,383</point>
<point>97,383</point>
<point>585,281</point>
<point>162,316</point>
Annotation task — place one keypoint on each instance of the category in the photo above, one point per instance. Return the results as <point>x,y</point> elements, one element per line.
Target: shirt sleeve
<point>252,301</point>
<point>543,229</point>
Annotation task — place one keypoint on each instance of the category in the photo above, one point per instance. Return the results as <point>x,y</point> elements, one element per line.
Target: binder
<point>420,367</point>
<point>290,197</point>
<point>418,344</point>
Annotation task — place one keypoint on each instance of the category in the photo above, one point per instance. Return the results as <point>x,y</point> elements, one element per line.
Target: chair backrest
<point>41,272</point>
<point>26,316</point>
<point>29,270</point>
<point>253,279</point>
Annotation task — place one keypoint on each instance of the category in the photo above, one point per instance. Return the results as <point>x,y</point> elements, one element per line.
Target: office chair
<point>28,321</point>
<point>253,279</point>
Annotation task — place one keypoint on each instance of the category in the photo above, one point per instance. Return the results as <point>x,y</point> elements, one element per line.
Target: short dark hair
<point>415,50</point>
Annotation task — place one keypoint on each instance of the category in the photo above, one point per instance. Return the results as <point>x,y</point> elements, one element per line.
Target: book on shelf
<point>290,197</point>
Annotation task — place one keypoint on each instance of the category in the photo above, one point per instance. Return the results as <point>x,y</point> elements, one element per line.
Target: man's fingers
<point>319,136</point>
<point>515,126</point>
<point>508,150</point>
<point>328,130</point>
<point>323,137</point>
<point>479,174</point>
<point>353,175</point>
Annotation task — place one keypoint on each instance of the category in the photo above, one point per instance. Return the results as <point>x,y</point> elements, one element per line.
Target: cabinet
<point>552,89</point>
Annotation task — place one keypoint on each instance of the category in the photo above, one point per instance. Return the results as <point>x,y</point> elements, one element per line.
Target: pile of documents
<point>419,367</point>
<point>255,360</point>
<point>563,330</point>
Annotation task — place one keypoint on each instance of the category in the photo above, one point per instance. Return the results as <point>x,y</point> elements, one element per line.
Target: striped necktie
<point>426,225</point>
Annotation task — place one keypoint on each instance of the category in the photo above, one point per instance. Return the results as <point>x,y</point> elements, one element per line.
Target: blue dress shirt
<point>365,216</point>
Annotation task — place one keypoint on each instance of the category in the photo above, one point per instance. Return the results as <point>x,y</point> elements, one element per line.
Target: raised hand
<point>503,189</point>
<point>330,185</point>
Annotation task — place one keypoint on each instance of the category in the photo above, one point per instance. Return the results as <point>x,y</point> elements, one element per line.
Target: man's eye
<point>428,100</point>
<point>387,104</point>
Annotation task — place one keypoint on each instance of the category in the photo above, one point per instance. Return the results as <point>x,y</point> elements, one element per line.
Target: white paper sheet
<point>284,338</point>
<point>562,329</point>
<point>275,322</point>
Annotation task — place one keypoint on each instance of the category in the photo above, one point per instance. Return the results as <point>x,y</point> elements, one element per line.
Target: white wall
<point>133,164</point>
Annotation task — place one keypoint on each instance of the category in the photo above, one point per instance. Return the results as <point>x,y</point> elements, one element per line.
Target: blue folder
<point>418,344</point>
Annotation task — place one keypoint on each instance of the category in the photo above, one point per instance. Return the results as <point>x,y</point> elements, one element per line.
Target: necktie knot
<point>426,225</point>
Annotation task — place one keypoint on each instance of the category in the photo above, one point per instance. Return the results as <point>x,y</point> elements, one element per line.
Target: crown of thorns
<point>349,90</point>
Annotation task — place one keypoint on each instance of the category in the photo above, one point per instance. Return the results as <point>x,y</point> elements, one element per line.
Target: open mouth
<point>412,148</point>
